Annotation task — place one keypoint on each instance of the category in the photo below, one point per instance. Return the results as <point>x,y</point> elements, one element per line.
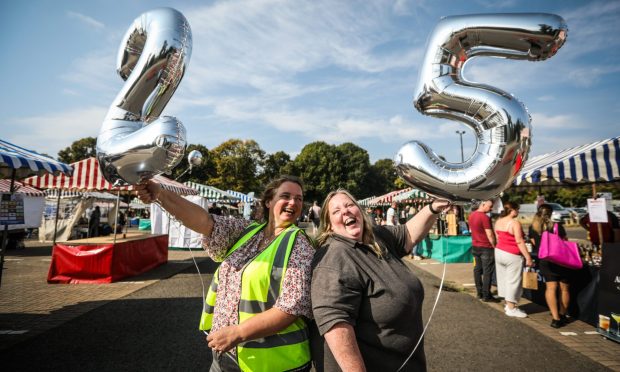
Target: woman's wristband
<point>433,211</point>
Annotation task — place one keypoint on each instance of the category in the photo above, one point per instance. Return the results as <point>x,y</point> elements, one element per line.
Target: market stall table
<point>449,249</point>
<point>101,260</point>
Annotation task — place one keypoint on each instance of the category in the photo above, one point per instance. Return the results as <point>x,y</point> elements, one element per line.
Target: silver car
<point>559,213</point>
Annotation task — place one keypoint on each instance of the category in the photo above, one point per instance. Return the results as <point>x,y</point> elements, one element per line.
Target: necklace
<point>266,239</point>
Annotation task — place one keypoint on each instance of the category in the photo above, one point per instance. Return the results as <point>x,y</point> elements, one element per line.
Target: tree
<point>319,166</point>
<point>79,150</point>
<point>381,178</point>
<point>355,167</point>
<point>237,163</point>
<point>201,173</point>
<point>274,165</point>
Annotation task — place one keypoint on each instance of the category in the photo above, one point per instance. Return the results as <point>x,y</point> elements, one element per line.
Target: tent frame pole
<point>56,218</point>
<point>5,232</point>
<point>598,225</point>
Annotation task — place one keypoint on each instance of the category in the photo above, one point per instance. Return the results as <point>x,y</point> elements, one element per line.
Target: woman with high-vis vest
<point>258,303</point>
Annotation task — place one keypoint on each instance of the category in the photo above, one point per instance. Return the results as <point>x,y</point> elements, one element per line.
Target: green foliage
<point>243,166</point>
<point>355,165</point>
<point>200,174</point>
<point>318,166</point>
<point>79,150</point>
<point>380,179</point>
<point>236,164</point>
<point>275,165</point>
<point>567,195</point>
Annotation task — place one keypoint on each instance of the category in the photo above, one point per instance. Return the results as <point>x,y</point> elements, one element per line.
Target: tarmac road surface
<point>155,329</point>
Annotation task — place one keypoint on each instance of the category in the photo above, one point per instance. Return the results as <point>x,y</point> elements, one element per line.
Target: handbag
<point>559,251</point>
<point>530,278</point>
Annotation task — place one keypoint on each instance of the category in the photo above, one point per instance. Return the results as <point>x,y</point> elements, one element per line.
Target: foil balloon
<point>194,158</point>
<point>500,122</point>
<point>134,142</point>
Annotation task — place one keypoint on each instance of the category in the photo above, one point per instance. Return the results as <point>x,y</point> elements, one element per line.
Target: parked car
<point>577,213</point>
<point>559,212</point>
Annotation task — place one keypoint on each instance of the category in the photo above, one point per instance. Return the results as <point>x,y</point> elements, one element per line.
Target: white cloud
<point>546,98</point>
<point>244,42</point>
<point>86,20</point>
<point>95,71</point>
<point>550,123</point>
<point>58,130</point>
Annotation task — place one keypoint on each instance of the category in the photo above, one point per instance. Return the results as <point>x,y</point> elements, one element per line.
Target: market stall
<point>592,163</point>
<point>180,237</point>
<point>105,260</point>
<point>17,162</point>
<point>69,262</point>
<point>448,249</point>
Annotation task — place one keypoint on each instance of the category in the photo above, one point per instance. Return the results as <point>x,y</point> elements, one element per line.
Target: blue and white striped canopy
<point>27,163</point>
<point>594,162</point>
<point>241,196</point>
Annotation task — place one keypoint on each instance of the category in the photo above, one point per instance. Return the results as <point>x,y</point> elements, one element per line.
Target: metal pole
<point>118,199</point>
<point>460,133</point>
<point>56,220</point>
<point>5,232</point>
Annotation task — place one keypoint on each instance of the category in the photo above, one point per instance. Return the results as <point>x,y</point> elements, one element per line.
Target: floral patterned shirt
<point>294,297</point>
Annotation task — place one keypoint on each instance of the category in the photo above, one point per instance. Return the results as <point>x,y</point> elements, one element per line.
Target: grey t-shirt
<point>380,298</point>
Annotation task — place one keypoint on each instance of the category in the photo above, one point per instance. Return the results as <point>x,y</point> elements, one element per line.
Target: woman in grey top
<point>366,302</point>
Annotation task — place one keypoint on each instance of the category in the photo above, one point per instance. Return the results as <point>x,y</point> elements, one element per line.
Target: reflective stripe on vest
<point>206,320</point>
<point>261,283</point>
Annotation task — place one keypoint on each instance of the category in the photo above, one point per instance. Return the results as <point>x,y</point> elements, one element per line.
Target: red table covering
<point>106,263</point>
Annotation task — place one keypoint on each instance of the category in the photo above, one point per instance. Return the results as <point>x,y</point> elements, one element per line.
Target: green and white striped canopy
<point>212,194</point>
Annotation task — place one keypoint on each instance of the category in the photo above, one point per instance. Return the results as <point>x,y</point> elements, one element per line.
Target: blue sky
<point>287,73</point>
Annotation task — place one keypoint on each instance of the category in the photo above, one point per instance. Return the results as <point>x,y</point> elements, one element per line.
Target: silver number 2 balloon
<point>500,122</point>
<point>134,142</point>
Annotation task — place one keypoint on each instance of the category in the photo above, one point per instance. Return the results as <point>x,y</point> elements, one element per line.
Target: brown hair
<point>325,227</point>
<point>542,219</point>
<point>509,207</point>
<point>270,191</point>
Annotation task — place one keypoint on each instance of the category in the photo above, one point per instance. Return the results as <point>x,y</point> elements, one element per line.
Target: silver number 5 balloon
<point>134,142</point>
<point>500,122</point>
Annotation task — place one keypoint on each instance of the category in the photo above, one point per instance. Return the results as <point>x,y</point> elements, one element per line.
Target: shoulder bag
<point>559,251</point>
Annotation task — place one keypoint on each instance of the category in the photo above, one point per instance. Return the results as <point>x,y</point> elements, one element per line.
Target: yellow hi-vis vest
<point>261,282</point>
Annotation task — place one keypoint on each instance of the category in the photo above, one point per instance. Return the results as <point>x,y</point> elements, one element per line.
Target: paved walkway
<point>30,306</point>
<point>578,336</point>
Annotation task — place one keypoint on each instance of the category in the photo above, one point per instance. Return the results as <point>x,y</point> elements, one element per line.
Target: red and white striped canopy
<point>87,177</point>
<point>20,188</point>
<point>387,198</point>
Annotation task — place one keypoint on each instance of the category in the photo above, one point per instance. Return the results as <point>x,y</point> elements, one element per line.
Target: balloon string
<point>443,275</point>
<point>202,283</point>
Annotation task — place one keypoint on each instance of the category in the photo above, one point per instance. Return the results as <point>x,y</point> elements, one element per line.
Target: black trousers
<point>484,268</point>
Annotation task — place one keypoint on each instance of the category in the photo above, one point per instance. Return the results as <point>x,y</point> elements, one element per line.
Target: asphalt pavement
<point>154,328</point>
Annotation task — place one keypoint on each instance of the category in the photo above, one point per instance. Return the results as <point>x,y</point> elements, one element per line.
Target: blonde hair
<point>542,219</point>
<point>325,226</point>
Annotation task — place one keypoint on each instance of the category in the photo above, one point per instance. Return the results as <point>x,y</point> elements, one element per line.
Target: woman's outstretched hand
<point>148,191</point>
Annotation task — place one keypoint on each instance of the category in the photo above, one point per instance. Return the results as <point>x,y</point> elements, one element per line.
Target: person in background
<point>366,302</point>
<point>552,273</point>
<point>314,215</point>
<point>258,303</point>
<point>93,222</point>
<point>509,253</point>
<point>606,227</point>
<point>411,211</point>
<point>390,219</point>
<point>482,248</point>
<point>122,220</point>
